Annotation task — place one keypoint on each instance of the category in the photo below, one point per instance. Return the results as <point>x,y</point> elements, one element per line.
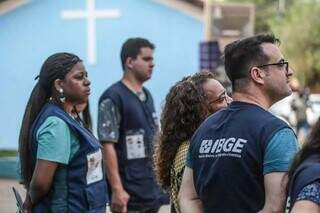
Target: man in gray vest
<point>127,123</point>
<point>239,156</point>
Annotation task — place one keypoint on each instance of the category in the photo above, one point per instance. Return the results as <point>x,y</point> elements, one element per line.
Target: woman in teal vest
<point>61,161</point>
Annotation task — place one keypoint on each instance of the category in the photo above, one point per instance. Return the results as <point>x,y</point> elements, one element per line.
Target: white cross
<point>91,15</point>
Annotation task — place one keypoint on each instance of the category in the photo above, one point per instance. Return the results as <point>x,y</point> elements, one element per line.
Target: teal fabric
<point>58,144</point>
<point>189,161</point>
<point>55,141</point>
<point>280,151</point>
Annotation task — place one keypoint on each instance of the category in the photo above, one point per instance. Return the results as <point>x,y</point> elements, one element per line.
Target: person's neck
<point>257,99</point>
<point>132,83</point>
<point>69,108</point>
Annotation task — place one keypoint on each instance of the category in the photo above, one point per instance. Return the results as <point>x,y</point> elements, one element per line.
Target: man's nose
<point>290,71</point>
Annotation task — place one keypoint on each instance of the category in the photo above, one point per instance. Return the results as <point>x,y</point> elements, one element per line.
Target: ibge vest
<point>86,184</point>
<point>228,151</point>
<point>135,146</point>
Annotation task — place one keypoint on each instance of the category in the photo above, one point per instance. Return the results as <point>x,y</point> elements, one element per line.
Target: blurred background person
<point>299,106</point>
<point>127,123</point>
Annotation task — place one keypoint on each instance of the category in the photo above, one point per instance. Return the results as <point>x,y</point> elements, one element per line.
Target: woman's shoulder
<point>56,142</point>
<point>52,123</point>
<point>55,121</point>
<point>181,155</point>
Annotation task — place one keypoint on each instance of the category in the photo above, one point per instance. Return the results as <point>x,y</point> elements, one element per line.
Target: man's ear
<point>58,84</point>
<point>257,75</point>
<point>129,62</point>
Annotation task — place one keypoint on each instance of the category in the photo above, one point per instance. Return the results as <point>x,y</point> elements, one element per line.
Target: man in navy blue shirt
<point>239,156</point>
<point>127,123</point>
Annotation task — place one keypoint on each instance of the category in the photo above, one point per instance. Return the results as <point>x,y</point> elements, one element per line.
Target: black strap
<point>19,200</point>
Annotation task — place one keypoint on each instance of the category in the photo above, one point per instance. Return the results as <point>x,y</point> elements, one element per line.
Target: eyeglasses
<point>285,63</point>
<point>223,97</point>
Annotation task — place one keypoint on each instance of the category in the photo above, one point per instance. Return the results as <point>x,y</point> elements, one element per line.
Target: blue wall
<point>29,34</point>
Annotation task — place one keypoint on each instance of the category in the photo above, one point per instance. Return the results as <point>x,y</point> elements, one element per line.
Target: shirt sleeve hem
<point>103,141</point>
<point>280,168</point>
<point>52,160</point>
<point>188,164</point>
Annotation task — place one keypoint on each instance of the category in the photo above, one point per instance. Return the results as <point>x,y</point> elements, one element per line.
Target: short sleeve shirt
<point>311,193</point>
<point>280,151</point>
<point>108,121</point>
<point>57,143</point>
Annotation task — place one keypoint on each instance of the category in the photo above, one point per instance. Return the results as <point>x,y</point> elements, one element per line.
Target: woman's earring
<point>61,95</point>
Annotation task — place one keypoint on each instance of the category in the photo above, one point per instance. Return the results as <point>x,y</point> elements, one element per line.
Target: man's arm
<point>275,196</point>
<point>120,197</point>
<point>188,197</point>
<point>108,133</point>
<point>305,206</point>
<point>278,155</point>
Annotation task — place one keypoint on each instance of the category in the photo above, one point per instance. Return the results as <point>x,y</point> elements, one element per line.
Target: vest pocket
<point>96,195</point>
<point>139,184</point>
<point>138,170</point>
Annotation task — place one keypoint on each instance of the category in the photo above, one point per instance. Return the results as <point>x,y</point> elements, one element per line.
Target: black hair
<point>86,117</point>
<point>131,48</point>
<point>55,67</point>
<point>241,55</point>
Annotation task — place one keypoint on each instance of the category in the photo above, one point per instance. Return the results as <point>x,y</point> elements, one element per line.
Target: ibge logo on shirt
<point>222,147</point>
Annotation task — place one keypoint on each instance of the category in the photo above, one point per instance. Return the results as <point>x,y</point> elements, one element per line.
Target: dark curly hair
<point>185,109</point>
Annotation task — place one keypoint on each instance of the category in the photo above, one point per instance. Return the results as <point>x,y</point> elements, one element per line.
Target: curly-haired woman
<point>188,103</point>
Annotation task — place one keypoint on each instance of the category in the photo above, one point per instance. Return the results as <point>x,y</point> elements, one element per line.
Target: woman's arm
<point>308,199</point>
<point>188,197</point>
<point>305,206</point>
<point>41,179</point>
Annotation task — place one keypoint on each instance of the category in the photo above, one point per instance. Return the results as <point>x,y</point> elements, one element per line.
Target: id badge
<point>94,173</point>
<point>135,146</point>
